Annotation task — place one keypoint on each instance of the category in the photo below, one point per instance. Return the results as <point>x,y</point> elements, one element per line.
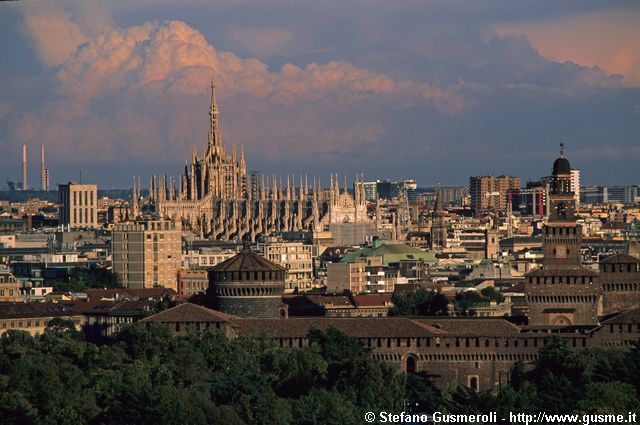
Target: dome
<point>247,285</point>
<point>633,249</point>
<point>247,261</point>
<point>561,166</point>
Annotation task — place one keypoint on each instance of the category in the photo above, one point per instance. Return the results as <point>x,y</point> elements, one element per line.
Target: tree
<point>492,294</point>
<point>80,280</point>
<point>421,393</point>
<point>419,303</point>
<point>468,299</point>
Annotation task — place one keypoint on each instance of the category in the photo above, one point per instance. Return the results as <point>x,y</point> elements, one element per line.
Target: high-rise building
<point>295,257</point>
<point>409,188</point>
<point>452,194</point>
<point>594,195</point>
<point>386,189</point>
<point>78,205</point>
<point>623,194</point>
<point>147,253</point>
<point>575,186</point>
<point>370,191</point>
<point>490,192</point>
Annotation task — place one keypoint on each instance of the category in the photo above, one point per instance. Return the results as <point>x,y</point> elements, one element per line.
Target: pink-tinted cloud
<point>5,108</point>
<point>55,32</point>
<point>261,42</point>
<point>608,39</point>
<point>51,31</point>
<point>141,94</point>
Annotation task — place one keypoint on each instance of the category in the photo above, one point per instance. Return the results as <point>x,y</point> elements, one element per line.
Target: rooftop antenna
<point>80,176</point>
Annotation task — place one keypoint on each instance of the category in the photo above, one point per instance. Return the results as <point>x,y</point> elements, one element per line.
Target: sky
<point>431,90</point>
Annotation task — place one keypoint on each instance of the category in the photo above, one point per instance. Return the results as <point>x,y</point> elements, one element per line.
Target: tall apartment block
<point>78,205</point>
<point>147,253</point>
<point>575,186</point>
<point>295,257</point>
<point>490,192</point>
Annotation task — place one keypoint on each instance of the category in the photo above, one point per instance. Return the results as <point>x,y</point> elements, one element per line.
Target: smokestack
<point>24,166</point>
<point>43,176</point>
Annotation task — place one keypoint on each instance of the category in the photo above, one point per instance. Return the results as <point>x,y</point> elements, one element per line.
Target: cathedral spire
<point>214,132</point>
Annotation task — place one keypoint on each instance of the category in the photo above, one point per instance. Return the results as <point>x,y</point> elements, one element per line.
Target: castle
<point>212,198</point>
<point>583,307</point>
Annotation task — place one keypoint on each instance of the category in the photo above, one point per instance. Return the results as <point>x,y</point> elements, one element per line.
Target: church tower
<point>438,225</point>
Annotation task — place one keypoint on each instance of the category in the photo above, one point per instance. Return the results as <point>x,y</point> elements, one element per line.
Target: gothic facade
<point>213,200</point>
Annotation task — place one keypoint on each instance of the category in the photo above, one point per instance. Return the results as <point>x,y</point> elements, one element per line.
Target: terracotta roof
<point>104,293</point>
<point>620,259</point>
<point>401,288</point>
<point>372,300</point>
<point>631,315</point>
<point>106,307</point>
<point>329,300</point>
<point>361,327</point>
<point>155,293</point>
<point>25,310</point>
<point>582,271</point>
<point>188,312</point>
<point>472,326</point>
<point>247,260</point>
<point>518,287</point>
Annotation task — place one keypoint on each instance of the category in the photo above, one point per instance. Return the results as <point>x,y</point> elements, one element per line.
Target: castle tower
<point>562,292</point>
<point>247,285</point>
<point>562,235</point>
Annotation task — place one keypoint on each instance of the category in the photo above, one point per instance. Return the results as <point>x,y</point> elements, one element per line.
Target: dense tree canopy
<point>82,279</point>
<point>419,303</point>
<point>146,376</point>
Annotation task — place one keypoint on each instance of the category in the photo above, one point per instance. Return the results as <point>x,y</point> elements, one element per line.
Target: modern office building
<point>490,192</point>
<point>78,205</point>
<point>147,253</point>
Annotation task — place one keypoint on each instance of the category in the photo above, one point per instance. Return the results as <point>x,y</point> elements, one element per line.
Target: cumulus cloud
<point>52,32</point>
<point>55,32</point>
<point>438,96</point>
<point>141,93</point>
<point>261,42</point>
<point>175,57</point>
<point>5,108</point>
<point>606,39</point>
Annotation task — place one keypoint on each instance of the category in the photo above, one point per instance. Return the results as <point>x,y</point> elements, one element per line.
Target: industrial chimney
<point>24,166</point>
<point>43,173</point>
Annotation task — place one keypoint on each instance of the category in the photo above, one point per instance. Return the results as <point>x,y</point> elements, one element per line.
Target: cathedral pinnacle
<point>214,134</point>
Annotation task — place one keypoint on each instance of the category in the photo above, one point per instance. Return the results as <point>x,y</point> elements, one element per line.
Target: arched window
<point>474,383</point>
<point>411,364</point>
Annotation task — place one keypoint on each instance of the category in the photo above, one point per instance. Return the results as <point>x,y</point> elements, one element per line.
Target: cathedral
<point>212,198</point>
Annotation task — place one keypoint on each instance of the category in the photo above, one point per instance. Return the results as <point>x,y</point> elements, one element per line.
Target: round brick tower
<point>247,285</point>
